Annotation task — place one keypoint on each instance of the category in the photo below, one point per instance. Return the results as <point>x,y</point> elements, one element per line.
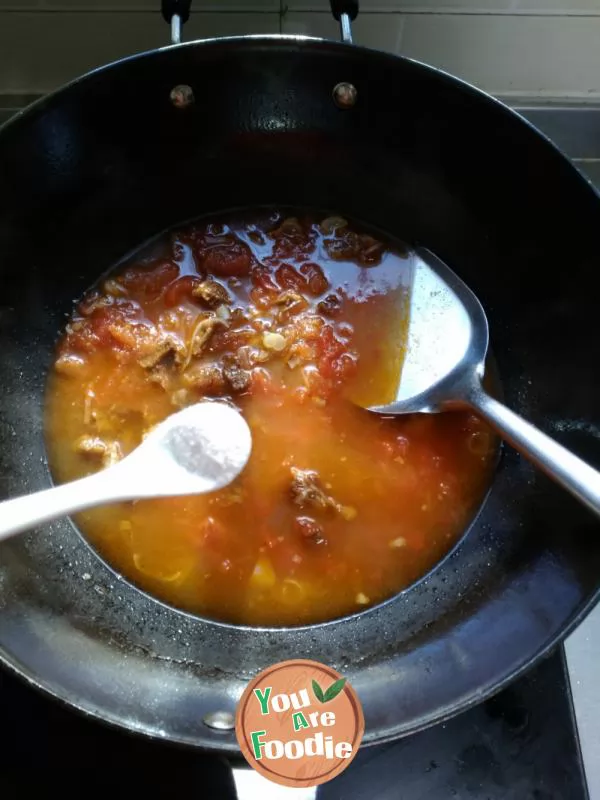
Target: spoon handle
<point>27,511</point>
<point>556,461</point>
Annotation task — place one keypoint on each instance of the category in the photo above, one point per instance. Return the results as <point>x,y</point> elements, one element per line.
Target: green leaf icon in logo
<point>334,690</point>
<point>331,693</point>
<point>318,692</point>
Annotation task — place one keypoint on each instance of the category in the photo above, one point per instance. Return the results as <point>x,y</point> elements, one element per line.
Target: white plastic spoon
<point>197,450</point>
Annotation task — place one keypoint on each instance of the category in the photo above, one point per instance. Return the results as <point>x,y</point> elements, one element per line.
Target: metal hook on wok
<point>176,13</point>
<point>345,12</point>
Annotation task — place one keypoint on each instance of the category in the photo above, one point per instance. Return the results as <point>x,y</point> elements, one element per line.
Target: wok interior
<point>337,509</point>
<point>91,173</point>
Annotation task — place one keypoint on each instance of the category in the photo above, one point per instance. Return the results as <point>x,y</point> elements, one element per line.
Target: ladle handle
<point>28,511</point>
<point>556,461</point>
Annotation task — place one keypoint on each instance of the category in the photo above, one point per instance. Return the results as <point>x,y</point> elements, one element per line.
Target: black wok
<point>92,171</point>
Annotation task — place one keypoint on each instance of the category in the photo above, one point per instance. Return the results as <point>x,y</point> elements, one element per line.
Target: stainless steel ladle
<point>443,369</point>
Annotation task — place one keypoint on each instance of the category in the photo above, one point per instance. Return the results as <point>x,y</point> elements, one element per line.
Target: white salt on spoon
<point>200,449</point>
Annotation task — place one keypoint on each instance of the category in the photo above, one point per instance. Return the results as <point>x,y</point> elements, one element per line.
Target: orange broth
<point>291,319</point>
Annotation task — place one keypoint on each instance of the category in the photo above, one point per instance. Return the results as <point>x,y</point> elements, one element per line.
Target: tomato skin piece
<point>227,261</point>
<point>330,351</point>
<point>328,343</point>
<point>180,290</point>
<point>315,278</point>
<point>343,366</point>
<point>229,341</point>
<point>262,382</point>
<point>287,278</point>
<point>95,332</point>
<point>149,282</point>
<point>264,289</point>
<point>262,279</point>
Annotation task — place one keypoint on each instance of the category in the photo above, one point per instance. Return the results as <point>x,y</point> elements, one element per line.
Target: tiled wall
<point>518,48</point>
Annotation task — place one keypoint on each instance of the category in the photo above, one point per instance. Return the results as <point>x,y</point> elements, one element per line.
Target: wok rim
<point>466,700</point>
<point>424,723</point>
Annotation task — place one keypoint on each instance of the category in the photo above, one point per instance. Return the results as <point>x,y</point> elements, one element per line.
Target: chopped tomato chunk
<point>180,290</point>
<point>227,261</point>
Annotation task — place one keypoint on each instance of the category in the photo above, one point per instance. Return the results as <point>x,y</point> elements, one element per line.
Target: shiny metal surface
<point>444,367</point>
<point>447,340</point>
<point>560,464</point>
<point>176,29</point>
<point>220,720</point>
<point>346,28</point>
<point>345,95</point>
<point>182,96</point>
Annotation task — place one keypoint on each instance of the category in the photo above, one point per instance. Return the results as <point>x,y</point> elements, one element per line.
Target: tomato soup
<point>298,320</point>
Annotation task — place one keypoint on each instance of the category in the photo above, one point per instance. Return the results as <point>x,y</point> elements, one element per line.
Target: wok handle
<point>176,13</point>
<point>567,469</point>
<point>180,8</point>
<point>249,785</point>
<point>339,7</point>
<point>345,11</point>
